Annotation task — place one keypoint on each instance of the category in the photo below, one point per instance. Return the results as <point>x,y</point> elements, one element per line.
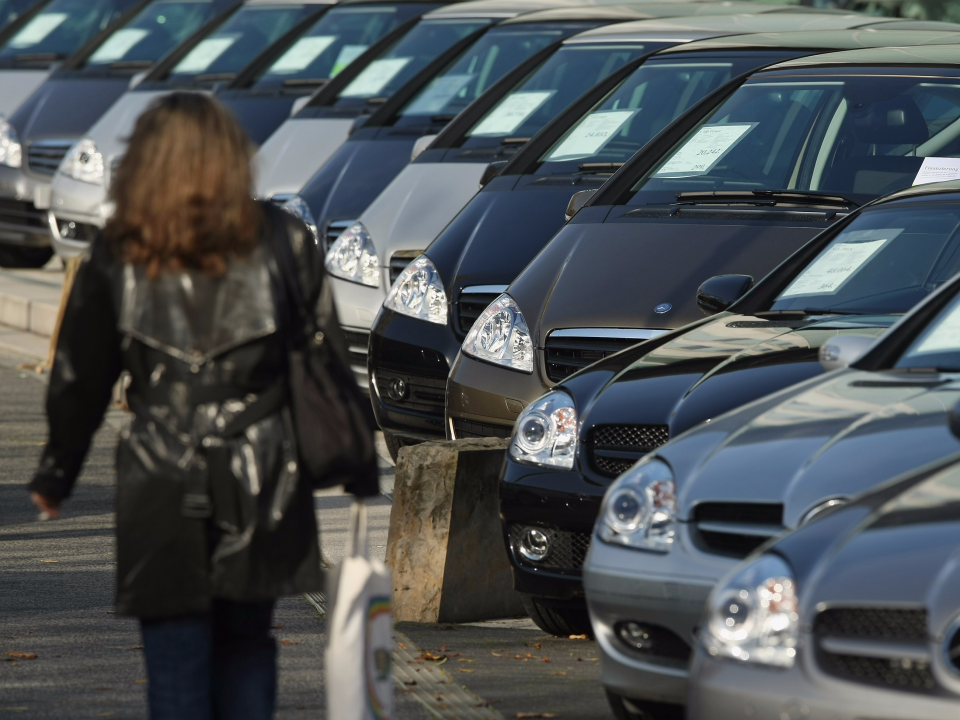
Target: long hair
<point>182,191</point>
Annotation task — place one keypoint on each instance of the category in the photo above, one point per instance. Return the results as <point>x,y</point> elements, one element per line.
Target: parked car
<point>64,107</point>
<point>10,10</point>
<point>853,615</point>
<point>506,224</point>
<point>791,152</point>
<point>678,520</point>
<point>213,55</point>
<point>263,95</point>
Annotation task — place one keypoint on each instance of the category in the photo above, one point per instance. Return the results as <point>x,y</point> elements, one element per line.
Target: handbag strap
<point>357,540</point>
<point>289,277</point>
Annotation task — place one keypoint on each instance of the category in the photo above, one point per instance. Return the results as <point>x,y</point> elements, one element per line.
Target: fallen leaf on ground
<point>50,561</point>
<point>289,642</point>
<point>546,659</point>
<point>402,645</point>
<point>276,627</point>
<point>535,645</point>
<point>535,715</point>
<point>559,672</point>
<point>578,637</point>
<point>20,655</point>
<point>497,654</point>
<point>409,682</point>
<point>137,647</point>
<point>466,670</point>
<point>140,682</point>
<point>466,660</point>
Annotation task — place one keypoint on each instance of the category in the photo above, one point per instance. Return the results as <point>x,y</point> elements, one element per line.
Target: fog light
<point>635,635</point>
<point>68,230</point>
<point>397,389</point>
<point>534,544</point>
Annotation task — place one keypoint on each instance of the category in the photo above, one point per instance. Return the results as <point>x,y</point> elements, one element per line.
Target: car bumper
<point>77,211</point>
<point>663,591</point>
<point>727,690</point>
<point>24,200</point>
<point>357,307</point>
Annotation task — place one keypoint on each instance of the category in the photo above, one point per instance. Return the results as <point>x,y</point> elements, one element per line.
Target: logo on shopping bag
<point>379,643</point>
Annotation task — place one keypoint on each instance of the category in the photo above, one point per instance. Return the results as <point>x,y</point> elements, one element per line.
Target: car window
<point>335,40</point>
<point>247,33</point>
<point>885,261</point>
<point>479,67</point>
<point>560,80</point>
<point>63,26</point>
<point>855,136</point>
<point>942,10</point>
<point>409,55</point>
<point>641,106</point>
<point>154,32</point>
<point>10,10</point>
<point>938,345</point>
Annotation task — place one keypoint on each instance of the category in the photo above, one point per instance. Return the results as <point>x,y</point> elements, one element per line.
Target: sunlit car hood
<point>16,86</point>
<point>289,157</point>
<point>44,115</point>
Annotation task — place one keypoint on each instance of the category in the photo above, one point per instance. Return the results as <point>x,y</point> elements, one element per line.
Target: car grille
<point>335,229</point>
<point>406,391</point>
<point>613,449</point>
<point>736,529</point>
<point>567,351</point>
<point>357,341</point>
<point>472,302</point>
<point>22,214</point>
<point>399,261</point>
<point>469,428</point>
<point>44,156</point>
<point>884,647</point>
<point>568,549</point>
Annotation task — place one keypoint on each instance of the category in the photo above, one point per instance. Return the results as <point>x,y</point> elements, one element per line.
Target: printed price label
<point>204,54</point>
<point>511,112</point>
<point>704,150</point>
<point>841,261</point>
<point>438,94</point>
<point>37,29</point>
<point>590,135</point>
<point>374,78</point>
<point>118,45</point>
<point>303,52</point>
<point>936,169</point>
<point>348,53</point>
<point>945,335</point>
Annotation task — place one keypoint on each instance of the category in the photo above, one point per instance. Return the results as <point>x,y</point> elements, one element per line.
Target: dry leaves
<point>289,642</point>
<point>466,670</point>
<point>535,715</point>
<point>579,637</point>
<point>18,655</point>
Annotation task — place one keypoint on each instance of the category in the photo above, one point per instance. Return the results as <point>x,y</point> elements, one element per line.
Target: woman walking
<point>214,518</point>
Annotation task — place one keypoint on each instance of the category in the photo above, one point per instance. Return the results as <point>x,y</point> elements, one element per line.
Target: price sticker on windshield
<point>944,335</point>
<point>37,29</point>
<point>118,45</point>
<point>205,54</point>
<point>842,260</point>
<point>511,113</point>
<point>440,92</point>
<point>937,169</point>
<point>374,78</point>
<point>700,154</point>
<point>303,52</point>
<point>591,135</point>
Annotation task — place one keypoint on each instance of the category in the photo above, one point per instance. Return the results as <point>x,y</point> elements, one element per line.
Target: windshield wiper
<point>39,57</point>
<point>600,167</point>
<point>130,64</point>
<point>213,77</point>
<point>293,82</point>
<point>763,197</point>
<point>514,141</point>
<point>810,311</point>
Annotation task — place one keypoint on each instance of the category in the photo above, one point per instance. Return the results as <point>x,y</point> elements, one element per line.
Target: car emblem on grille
<point>662,308</point>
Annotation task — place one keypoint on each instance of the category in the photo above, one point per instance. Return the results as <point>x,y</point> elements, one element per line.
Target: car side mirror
<point>843,350</point>
<point>491,171</point>
<point>720,292</point>
<point>953,417</point>
<point>577,202</point>
<point>420,145</point>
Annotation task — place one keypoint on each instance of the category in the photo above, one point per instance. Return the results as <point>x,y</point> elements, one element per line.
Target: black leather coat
<point>204,509</point>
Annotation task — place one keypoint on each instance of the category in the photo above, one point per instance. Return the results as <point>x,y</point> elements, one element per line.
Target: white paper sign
<point>118,45</point>
<point>204,54</point>
<point>936,169</point>
<point>945,335</point>
<point>438,94</point>
<point>704,150</point>
<point>842,260</point>
<point>374,78</point>
<point>348,53</point>
<point>511,112</point>
<point>37,29</point>
<point>593,132</point>
<point>303,52</point>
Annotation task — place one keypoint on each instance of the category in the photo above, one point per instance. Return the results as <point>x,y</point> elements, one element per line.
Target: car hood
<point>259,115</point>
<point>67,107</point>
<point>835,436</point>
<point>295,151</point>
<point>616,274</point>
<point>720,364</point>
<point>18,85</point>
<point>112,130</point>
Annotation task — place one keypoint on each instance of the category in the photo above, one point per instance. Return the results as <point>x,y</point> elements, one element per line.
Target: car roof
<point>644,11</point>
<point>287,2</point>
<point>948,186</point>
<point>846,39</point>
<point>923,55</point>
<point>512,8</point>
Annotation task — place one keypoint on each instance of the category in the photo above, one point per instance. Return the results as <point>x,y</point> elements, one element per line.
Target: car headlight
<point>298,207</point>
<point>500,336</point>
<point>419,293</point>
<point>546,432</point>
<point>640,508</point>
<point>83,162</point>
<point>353,257</point>
<point>11,152</point>
<point>752,614</point>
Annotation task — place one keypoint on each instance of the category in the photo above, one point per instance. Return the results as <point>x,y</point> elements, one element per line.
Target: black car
<point>854,279</point>
<point>505,225</point>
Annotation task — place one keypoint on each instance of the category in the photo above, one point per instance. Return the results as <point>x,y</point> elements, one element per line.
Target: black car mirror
<point>491,171</point>
<point>720,292</point>
<point>578,200</point>
<point>843,350</point>
<point>953,417</point>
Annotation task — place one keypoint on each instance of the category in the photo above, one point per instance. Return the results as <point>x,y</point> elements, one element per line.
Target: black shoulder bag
<point>334,441</point>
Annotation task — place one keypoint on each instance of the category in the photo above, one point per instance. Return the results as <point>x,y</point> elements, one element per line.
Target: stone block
<point>14,311</point>
<point>445,545</point>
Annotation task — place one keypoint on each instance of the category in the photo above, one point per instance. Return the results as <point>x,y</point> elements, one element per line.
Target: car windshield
<point>641,106</point>
<point>247,33</point>
<point>938,345</point>
<point>62,27</point>
<point>10,10</point>
<point>884,261</point>
<point>943,10</point>
<point>479,67</point>
<point>409,55</point>
<point>856,136</point>
<point>334,41</point>
<point>159,28</point>
<point>560,80</point>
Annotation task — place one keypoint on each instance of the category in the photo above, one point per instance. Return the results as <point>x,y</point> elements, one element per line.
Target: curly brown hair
<point>183,189</point>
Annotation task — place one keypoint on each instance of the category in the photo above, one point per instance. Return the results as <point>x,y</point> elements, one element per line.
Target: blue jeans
<point>216,665</point>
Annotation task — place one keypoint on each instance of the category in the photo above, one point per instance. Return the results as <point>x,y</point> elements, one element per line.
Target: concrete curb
<point>22,313</point>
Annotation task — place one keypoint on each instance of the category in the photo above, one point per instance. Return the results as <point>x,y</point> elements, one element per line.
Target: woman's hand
<point>49,508</point>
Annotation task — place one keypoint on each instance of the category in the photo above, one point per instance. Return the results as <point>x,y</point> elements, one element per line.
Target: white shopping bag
<point>360,644</point>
